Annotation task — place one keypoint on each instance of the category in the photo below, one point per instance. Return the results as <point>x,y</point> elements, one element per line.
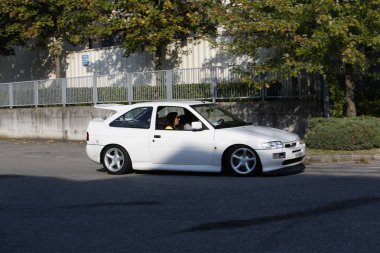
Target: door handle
<point>157,136</point>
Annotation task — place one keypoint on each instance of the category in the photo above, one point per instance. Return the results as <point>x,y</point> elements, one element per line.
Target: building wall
<point>35,65</point>
<point>26,65</point>
<point>103,61</point>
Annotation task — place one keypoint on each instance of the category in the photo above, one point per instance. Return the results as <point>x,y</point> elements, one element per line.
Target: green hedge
<point>343,133</point>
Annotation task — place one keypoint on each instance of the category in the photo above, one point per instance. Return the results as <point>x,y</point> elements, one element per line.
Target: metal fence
<point>216,83</point>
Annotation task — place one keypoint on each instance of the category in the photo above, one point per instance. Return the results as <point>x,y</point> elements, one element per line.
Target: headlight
<point>272,145</point>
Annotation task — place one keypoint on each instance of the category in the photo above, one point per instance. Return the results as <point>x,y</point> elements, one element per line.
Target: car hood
<point>257,132</point>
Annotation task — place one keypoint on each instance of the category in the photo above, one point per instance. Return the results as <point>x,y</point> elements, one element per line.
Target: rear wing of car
<point>113,108</point>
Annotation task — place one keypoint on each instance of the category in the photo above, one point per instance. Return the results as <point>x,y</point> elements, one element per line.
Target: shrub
<point>191,91</point>
<point>337,100</point>
<point>343,133</point>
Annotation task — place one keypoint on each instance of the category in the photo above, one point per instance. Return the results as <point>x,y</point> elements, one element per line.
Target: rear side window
<point>136,118</point>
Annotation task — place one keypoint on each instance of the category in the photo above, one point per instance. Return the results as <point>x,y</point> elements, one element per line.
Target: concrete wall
<point>67,123</point>
<point>70,123</point>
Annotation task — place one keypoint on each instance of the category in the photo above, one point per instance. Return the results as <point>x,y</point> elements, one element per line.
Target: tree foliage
<point>44,22</point>
<point>38,20</point>
<point>151,25</point>
<point>138,25</point>
<point>9,32</point>
<point>330,37</point>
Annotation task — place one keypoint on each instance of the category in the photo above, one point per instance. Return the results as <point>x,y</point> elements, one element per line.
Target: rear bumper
<point>93,152</point>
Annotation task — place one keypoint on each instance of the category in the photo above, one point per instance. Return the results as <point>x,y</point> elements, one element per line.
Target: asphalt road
<point>53,199</point>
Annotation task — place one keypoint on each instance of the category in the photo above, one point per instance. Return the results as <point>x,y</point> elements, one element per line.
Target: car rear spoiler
<point>112,107</point>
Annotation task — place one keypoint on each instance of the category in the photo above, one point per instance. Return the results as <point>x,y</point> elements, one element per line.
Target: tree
<point>45,22</point>
<point>9,32</point>
<point>151,25</point>
<point>330,37</point>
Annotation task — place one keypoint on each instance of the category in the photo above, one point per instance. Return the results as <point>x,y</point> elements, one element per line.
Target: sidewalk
<point>331,158</point>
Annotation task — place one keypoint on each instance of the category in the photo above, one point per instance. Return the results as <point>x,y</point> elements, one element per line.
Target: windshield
<point>219,117</point>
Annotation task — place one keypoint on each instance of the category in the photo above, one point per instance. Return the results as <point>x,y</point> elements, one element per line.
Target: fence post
<point>35,88</point>
<point>263,92</point>
<point>11,95</point>
<point>64,88</point>
<point>263,87</point>
<point>129,88</point>
<point>213,84</point>
<point>94,89</point>
<point>169,84</point>
<point>299,84</point>
<point>326,99</point>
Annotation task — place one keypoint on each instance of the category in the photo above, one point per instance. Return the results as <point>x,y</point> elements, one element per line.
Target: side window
<point>174,118</point>
<point>135,118</point>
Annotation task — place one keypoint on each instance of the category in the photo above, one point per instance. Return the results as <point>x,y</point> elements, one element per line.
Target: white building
<point>37,64</point>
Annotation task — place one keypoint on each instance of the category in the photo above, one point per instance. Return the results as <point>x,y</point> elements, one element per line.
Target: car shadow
<point>282,172</point>
<point>286,171</point>
<point>176,173</point>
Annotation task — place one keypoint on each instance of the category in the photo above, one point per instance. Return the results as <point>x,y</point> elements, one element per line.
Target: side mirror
<point>196,125</point>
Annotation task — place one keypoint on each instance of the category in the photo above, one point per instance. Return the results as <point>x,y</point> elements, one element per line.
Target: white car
<point>207,139</point>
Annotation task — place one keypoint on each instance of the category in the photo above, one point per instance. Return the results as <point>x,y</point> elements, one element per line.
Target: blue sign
<point>85,59</point>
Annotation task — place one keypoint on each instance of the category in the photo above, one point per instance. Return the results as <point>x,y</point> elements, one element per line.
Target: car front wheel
<point>116,160</point>
<point>243,161</point>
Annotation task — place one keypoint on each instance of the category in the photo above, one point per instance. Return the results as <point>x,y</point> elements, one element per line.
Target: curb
<point>355,158</point>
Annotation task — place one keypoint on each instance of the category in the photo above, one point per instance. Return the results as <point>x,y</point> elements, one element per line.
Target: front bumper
<point>275,159</point>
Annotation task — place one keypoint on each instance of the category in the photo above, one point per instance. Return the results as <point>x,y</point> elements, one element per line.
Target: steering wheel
<point>218,122</point>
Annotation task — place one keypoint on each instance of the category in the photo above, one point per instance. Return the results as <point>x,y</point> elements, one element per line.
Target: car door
<point>131,131</point>
<point>181,147</point>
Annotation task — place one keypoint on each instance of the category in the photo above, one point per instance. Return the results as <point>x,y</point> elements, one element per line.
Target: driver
<point>172,121</point>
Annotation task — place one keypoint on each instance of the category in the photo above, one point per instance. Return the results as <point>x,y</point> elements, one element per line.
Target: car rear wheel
<point>116,160</point>
<point>243,161</point>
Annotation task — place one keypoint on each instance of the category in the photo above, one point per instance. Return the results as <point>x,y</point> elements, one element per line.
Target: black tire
<point>241,160</point>
<point>116,160</point>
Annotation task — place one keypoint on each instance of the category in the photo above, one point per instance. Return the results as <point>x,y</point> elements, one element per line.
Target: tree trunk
<point>350,92</point>
<point>58,66</point>
<point>160,78</point>
<point>158,58</point>
<point>55,47</point>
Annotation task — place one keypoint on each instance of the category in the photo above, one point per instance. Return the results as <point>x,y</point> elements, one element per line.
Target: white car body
<point>200,150</point>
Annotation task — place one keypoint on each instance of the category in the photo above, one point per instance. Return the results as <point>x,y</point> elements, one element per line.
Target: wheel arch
<point>112,145</point>
<point>227,150</point>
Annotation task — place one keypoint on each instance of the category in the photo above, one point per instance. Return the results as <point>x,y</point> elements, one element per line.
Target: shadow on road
<point>287,171</point>
<point>283,172</point>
